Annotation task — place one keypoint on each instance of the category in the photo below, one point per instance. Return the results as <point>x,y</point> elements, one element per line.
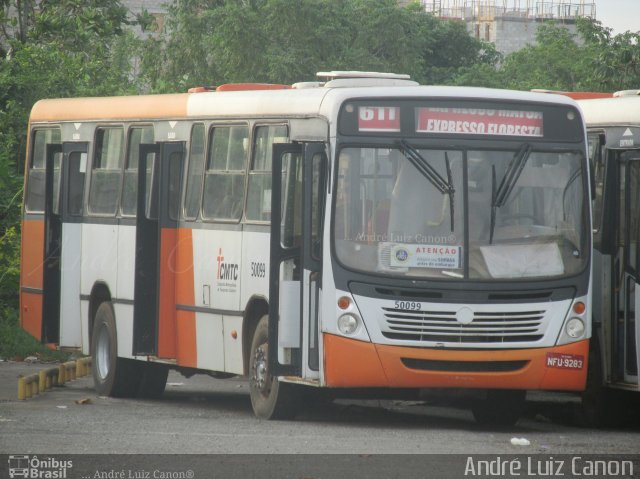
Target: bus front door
<point>64,194</point>
<point>297,208</point>
<point>159,187</point>
<point>627,277</point>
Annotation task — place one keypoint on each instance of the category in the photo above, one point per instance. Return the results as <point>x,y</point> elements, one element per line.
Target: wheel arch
<point>257,307</point>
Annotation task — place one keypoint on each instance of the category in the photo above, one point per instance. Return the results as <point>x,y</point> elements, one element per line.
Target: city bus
<point>358,233</point>
<point>614,148</point>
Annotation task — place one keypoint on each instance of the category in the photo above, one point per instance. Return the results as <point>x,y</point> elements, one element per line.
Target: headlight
<point>575,328</point>
<point>348,324</point>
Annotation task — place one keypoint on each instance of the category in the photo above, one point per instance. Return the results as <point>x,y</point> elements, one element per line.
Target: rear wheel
<point>112,376</point>
<point>270,398</point>
<point>500,407</point>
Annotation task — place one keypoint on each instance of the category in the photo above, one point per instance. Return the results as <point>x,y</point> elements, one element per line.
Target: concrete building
<point>510,24</point>
<point>156,8</point>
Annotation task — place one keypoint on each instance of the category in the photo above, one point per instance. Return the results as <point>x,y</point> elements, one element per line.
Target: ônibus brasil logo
<point>35,467</point>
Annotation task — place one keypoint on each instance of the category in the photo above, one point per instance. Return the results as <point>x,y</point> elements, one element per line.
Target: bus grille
<point>442,326</point>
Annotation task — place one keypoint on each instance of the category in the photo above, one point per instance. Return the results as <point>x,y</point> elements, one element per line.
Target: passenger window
<point>37,164</point>
<point>75,185</point>
<point>137,136</point>
<point>224,177</point>
<point>106,173</point>
<point>259,194</point>
<point>193,190</point>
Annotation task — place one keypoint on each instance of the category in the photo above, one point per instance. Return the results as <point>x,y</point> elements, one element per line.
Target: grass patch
<point>16,344</point>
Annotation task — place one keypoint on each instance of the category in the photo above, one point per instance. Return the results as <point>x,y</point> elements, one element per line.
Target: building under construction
<point>510,24</point>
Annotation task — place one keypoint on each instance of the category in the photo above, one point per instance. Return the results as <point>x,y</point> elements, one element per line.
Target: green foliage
<point>17,344</point>
<point>64,48</point>
<point>215,42</point>
<point>591,60</point>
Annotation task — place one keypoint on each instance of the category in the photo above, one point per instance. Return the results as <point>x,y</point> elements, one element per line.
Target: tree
<point>613,61</point>
<point>591,60</point>
<point>213,42</point>
<point>62,48</point>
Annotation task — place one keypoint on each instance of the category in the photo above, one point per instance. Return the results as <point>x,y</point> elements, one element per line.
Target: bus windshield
<point>461,214</point>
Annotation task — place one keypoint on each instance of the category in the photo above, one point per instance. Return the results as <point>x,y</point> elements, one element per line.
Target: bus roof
<point>304,102</point>
<point>623,110</point>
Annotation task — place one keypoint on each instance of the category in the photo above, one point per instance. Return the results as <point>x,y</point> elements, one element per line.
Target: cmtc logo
<point>226,271</point>
<point>34,467</point>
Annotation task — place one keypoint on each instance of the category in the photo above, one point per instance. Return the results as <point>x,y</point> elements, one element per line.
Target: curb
<point>34,384</point>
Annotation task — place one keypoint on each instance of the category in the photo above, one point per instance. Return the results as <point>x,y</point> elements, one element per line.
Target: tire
<point>270,398</point>
<point>153,380</point>
<point>112,376</point>
<point>500,408</point>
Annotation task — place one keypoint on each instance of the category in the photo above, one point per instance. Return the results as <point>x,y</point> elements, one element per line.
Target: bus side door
<point>159,186</point>
<point>64,196</point>
<point>625,331</point>
<point>298,192</point>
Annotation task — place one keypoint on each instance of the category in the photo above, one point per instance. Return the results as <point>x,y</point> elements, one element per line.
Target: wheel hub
<point>103,353</point>
<point>260,376</point>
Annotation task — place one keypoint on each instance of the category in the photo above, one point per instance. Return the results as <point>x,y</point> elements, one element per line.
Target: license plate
<point>565,361</point>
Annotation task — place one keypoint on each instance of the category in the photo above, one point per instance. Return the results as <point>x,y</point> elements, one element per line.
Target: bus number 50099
<point>258,270</point>
<point>408,305</point>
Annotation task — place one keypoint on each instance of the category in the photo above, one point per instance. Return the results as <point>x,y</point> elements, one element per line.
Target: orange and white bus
<point>613,127</point>
<point>359,232</point>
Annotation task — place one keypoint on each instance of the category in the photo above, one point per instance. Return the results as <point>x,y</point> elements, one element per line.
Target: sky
<point>621,15</point>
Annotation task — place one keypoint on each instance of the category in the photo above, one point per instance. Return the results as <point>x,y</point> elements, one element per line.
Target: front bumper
<point>350,363</point>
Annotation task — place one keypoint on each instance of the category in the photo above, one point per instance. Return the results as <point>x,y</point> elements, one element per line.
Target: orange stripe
<point>32,255</point>
<point>31,274</point>
<point>184,268</point>
<point>184,293</point>
<point>111,108</point>
<point>167,300</point>
<point>31,313</point>
<point>345,366</point>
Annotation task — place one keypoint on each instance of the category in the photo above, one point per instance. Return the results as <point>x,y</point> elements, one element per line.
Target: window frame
<point>94,154</point>
<point>187,167</point>
<point>250,167</point>
<point>210,129</point>
<point>29,165</point>
<point>125,166</point>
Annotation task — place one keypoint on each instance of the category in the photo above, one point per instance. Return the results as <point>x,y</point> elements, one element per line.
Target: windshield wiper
<point>445,187</point>
<point>500,195</point>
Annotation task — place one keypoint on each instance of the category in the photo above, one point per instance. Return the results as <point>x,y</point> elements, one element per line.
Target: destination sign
<point>470,121</point>
<point>430,118</point>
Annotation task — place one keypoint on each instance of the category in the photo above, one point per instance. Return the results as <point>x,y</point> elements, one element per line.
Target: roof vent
<point>627,93</point>
<point>357,74</point>
<point>365,79</point>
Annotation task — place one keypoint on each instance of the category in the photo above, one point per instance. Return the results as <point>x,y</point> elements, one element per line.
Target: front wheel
<point>270,398</point>
<point>500,408</point>
<point>112,376</point>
